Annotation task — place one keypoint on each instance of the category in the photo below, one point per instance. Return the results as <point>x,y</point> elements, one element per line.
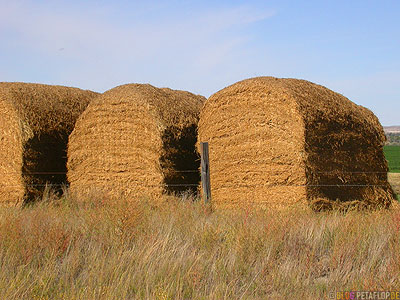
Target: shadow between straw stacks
<point>35,121</point>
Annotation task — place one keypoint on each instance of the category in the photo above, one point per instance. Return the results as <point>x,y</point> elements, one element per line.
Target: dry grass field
<point>64,249</point>
<point>394,179</point>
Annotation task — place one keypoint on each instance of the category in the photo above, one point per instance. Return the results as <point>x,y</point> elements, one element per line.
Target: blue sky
<point>351,47</point>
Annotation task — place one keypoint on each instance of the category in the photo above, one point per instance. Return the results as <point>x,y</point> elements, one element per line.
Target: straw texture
<point>134,141</point>
<point>287,142</point>
<point>35,122</point>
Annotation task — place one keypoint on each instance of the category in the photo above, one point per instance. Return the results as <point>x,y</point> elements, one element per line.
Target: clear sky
<point>351,47</point>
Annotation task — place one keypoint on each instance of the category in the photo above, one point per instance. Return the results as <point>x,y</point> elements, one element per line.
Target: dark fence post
<point>205,172</point>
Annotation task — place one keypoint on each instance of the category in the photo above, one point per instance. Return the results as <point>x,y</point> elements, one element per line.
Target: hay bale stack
<point>35,122</point>
<point>283,142</point>
<point>135,140</point>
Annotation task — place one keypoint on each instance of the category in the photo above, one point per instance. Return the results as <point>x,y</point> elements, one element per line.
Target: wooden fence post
<point>205,172</point>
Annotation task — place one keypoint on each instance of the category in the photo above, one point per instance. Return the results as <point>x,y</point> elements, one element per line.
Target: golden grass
<point>68,249</point>
<point>394,180</point>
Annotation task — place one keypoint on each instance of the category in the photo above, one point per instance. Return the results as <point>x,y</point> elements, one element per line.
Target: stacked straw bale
<point>133,141</point>
<point>288,142</point>
<point>35,121</point>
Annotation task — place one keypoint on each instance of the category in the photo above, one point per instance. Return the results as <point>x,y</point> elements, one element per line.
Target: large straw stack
<point>135,140</point>
<point>35,122</point>
<point>287,142</point>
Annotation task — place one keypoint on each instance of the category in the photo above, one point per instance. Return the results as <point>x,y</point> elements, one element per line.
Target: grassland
<point>63,249</point>
<point>392,154</point>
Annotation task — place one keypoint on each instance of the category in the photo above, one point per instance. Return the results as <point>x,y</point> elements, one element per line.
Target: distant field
<point>391,129</point>
<point>392,154</point>
<point>393,138</point>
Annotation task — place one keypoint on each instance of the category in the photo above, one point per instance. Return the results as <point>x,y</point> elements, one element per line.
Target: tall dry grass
<point>63,249</point>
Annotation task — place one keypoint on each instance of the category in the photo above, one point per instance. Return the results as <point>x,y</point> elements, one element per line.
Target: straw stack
<point>35,122</point>
<point>287,142</point>
<point>135,140</point>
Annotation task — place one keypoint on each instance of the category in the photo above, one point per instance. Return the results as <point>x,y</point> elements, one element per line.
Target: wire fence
<point>196,184</point>
<point>198,171</point>
<point>231,185</point>
<point>350,182</point>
